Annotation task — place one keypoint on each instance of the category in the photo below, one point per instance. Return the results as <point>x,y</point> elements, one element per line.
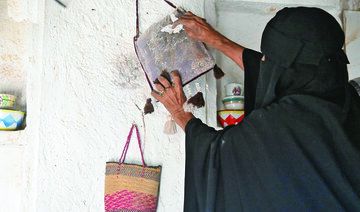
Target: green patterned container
<point>7,100</point>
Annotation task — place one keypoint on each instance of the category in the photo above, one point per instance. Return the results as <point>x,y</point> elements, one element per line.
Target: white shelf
<point>12,137</point>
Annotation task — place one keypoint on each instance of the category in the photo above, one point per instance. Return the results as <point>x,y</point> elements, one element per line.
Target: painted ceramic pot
<point>7,100</point>
<point>233,102</point>
<point>10,119</point>
<point>234,89</point>
<point>230,117</point>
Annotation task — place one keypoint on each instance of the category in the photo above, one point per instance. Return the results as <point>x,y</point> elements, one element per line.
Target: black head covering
<point>303,55</point>
<point>306,35</point>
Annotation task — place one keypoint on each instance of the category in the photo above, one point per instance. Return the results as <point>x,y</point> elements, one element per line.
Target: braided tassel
<point>170,126</point>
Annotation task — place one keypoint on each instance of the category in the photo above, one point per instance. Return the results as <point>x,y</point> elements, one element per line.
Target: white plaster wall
<point>92,91</point>
<point>11,160</point>
<point>352,41</point>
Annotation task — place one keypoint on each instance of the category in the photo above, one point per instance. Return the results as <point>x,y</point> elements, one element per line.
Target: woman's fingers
<point>156,95</point>
<point>166,85</point>
<point>164,82</point>
<point>178,86</point>
<point>197,28</point>
<point>176,79</point>
<point>172,97</point>
<point>159,87</point>
<point>185,19</point>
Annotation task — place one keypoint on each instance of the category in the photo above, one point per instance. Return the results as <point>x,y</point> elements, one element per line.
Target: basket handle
<point>123,155</point>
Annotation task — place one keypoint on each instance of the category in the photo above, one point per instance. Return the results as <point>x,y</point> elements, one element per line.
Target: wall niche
<point>14,57</point>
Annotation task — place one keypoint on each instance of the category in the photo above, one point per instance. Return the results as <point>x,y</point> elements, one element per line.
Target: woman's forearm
<point>229,48</point>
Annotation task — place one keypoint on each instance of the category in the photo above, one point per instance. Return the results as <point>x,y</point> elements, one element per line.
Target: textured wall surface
<point>92,91</point>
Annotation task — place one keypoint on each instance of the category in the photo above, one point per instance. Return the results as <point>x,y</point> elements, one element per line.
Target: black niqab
<point>297,149</point>
<point>303,54</point>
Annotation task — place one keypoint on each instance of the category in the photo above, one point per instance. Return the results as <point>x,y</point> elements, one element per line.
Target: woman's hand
<point>173,98</point>
<point>199,29</point>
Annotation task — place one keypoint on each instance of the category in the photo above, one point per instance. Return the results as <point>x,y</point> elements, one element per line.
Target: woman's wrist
<point>224,44</point>
<point>182,118</point>
<point>217,40</point>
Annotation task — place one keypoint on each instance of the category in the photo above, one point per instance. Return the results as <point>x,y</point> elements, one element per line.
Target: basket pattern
<point>130,200</point>
<point>133,171</point>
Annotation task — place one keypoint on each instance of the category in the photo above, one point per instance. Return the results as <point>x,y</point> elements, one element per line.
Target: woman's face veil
<point>303,55</point>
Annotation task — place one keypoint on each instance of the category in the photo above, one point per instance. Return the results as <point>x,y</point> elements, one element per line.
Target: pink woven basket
<point>130,187</point>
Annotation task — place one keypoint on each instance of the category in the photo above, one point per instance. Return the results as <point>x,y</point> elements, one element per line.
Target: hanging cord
<point>171,4</point>
<point>137,20</point>
<point>126,147</point>
<point>62,4</point>
<point>137,17</point>
<point>137,36</point>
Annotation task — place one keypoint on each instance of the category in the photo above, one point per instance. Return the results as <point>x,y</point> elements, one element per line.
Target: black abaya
<point>298,147</point>
<point>295,154</point>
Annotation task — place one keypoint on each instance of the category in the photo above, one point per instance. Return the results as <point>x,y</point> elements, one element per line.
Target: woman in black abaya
<point>298,147</point>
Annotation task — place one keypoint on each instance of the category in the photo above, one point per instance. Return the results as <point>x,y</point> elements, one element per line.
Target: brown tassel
<point>197,100</point>
<point>218,73</point>
<point>170,126</point>
<point>149,108</point>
